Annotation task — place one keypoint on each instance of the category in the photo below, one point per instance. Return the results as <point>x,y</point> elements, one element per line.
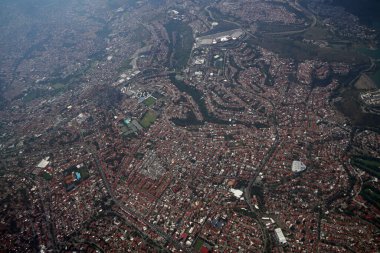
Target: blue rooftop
<point>127,121</point>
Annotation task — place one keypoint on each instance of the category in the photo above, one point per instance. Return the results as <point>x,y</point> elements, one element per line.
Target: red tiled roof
<point>204,249</point>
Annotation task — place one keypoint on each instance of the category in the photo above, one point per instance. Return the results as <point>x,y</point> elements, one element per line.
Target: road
<point>248,190</point>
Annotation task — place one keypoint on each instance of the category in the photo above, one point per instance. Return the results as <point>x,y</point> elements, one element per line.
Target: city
<point>188,126</point>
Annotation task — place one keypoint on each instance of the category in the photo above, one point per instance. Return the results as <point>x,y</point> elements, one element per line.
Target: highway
<point>248,190</point>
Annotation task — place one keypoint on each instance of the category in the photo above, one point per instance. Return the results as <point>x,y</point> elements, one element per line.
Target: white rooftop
<point>237,193</point>
<point>280,236</point>
<point>298,166</point>
<point>43,164</point>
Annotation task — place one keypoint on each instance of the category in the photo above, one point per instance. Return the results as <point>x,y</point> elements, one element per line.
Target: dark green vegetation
<point>33,94</point>
<point>350,105</point>
<point>374,73</point>
<point>193,92</point>
<point>140,34</point>
<point>223,107</point>
<point>374,53</point>
<point>225,22</point>
<point>367,10</point>
<point>31,8</point>
<point>46,176</point>
<point>57,84</point>
<point>246,212</point>
<point>370,165</point>
<point>199,243</point>
<point>294,48</point>
<point>274,27</point>
<point>372,195</point>
<point>300,51</point>
<point>198,98</point>
<point>190,120</point>
<point>114,4</point>
<point>107,97</point>
<point>3,101</point>
<point>83,172</point>
<point>104,32</point>
<point>71,180</point>
<point>181,43</point>
<point>139,155</point>
<point>148,119</point>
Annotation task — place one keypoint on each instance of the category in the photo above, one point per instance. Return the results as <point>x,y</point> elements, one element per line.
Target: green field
<point>149,101</point>
<point>125,65</point>
<point>317,33</point>
<point>148,119</point>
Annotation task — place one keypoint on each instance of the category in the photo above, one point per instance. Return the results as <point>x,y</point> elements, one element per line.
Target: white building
<point>280,236</point>
<point>298,166</point>
<point>44,162</point>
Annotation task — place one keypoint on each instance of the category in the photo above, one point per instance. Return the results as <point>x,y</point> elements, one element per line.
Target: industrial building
<point>219,37</point>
